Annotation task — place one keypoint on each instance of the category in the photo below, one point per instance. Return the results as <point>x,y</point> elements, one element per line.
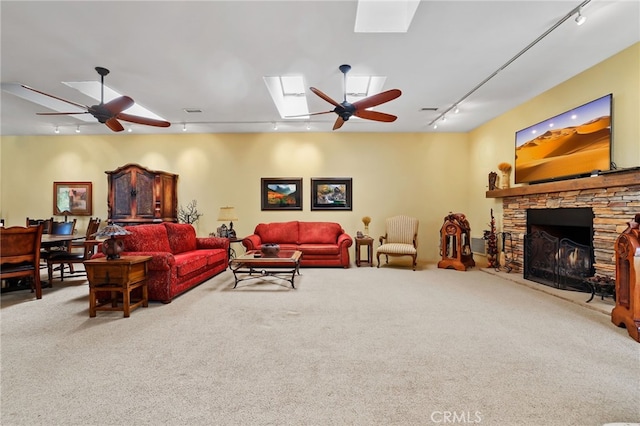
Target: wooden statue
<point>627,310</point>
<point>455,243</point>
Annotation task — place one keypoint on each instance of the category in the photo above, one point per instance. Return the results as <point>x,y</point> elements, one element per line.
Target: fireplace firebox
<point>558,247</point>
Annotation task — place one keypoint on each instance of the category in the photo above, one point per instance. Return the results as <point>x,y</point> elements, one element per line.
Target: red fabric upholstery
<point>278,233</point>
<point>180,260</point>
<point>182,237</point>
<point>319,232</point>
<point>146,238</point>
<point>321,243</point>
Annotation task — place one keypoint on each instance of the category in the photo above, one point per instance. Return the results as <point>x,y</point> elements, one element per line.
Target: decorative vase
<point>504,181</point>
<point>270,250</point>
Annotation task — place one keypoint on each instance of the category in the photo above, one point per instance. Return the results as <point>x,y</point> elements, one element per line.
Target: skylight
<point>385,16</point>
<point>288,94</point>
<point>93,88</point>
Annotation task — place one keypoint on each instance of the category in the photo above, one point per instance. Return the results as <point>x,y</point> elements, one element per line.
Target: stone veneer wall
<point>612,207</point>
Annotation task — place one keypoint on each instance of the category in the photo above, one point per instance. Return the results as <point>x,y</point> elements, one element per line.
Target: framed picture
<point>281,193</point>
<point>331,194</point>
<point>72,198</point>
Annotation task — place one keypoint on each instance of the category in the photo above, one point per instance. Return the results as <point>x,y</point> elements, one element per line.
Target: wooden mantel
<point>607,180</point>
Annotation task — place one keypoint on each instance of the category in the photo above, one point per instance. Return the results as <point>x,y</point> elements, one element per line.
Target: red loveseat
<point>180,260</point>
<point>321,243</point>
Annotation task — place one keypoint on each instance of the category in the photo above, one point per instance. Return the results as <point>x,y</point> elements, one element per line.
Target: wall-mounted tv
<point>572,144</point>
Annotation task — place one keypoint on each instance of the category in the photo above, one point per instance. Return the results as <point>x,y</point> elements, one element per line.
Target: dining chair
<point>400,239</point>
<point>78,246</point>
<point>45,222</point>
<point>58,228</point>
<point>20,255</point>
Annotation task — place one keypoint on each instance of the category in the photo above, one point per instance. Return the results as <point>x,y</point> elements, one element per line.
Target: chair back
<point>402,229</point>
<point>19,245</point>
<point>46,224</point>
<point>63,228</point>
<point>92,227</point>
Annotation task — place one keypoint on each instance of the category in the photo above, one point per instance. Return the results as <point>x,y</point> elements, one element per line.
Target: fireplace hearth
<point>558,247</point>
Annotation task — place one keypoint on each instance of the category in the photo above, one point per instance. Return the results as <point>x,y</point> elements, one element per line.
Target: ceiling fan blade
<point>55,97</point>
<point>339,122</point>
<point>143,120</point>
<point>114,125</point>
<point>61,113</point>
<point>375,115</point>
<point>307,115</point>
<point>377,99</point>
<point>325,97</point>
<point>118,105</point>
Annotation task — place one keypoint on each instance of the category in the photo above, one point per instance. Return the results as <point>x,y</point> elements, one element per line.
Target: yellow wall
<point>392,174</point>
<point>493,142</point>
<point>426,175</point>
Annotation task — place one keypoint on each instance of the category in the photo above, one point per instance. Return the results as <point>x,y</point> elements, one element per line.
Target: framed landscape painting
<point>281,193</point>
<point>331,194</point>
<point>72,198</point>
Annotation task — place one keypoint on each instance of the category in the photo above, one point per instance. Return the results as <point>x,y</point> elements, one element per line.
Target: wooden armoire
<point>137,195</point>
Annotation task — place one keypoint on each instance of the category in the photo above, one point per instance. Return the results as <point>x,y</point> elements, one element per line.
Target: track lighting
<point>580,19</point>
<point>456,109</point>
<point>129,129</point>
<point>435,126</point>
<point>275,126</point>
<point>184,127</point>
<point>56,130</point>
<point>308,126</point>
<point>78,129</point>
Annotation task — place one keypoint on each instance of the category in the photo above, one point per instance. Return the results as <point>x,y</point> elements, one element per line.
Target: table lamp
<point>113,246</point>
<point>228,214</point>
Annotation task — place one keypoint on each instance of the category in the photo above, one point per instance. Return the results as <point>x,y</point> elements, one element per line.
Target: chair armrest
<point>382,238</point>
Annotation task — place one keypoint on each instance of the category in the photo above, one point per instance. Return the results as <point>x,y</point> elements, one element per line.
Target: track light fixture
<point>184,127</point>
<point>78,129</point>
<point>56,130</point>
<point>579,20</point>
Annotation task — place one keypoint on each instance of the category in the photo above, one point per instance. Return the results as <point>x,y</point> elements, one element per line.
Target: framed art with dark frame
<point>331,194</point>
<point>281,193</point>
<point>72,198</point>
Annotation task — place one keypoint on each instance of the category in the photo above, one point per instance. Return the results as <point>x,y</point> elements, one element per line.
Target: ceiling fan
<point>107,113</point>
<point>359,108</point>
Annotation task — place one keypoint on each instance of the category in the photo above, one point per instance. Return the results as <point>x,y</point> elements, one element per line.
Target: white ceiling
<point>212,55</point>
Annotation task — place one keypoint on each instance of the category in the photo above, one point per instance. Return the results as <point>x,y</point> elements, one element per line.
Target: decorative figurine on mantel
<point>493,178</point>
<point>505,168</point>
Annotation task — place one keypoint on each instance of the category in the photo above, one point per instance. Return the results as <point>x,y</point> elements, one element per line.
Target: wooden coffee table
<point>284,266</point>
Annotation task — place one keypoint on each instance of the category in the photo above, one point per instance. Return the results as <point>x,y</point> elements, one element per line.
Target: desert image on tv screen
<point>576,142</point>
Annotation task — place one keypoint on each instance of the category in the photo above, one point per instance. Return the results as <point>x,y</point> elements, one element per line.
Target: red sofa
<point>321,243</point>
<point>180,259</point>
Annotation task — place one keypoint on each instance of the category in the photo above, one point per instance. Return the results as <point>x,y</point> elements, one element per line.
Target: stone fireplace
<point>613,199</point>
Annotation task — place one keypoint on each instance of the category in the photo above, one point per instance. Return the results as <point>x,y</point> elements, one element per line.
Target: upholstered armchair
<point>400,239</point>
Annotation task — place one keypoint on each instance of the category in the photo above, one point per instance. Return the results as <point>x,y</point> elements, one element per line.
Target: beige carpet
<point>362,346</point>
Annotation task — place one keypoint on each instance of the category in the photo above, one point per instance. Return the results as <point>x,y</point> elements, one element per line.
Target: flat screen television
<point>572,144</point>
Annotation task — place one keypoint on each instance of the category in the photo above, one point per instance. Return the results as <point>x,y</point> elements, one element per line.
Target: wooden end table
<point>368,243</point>
<point>118,276</point>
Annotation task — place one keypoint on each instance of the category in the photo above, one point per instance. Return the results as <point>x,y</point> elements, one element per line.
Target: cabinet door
<point>144,195</point>
<point>122,195</point>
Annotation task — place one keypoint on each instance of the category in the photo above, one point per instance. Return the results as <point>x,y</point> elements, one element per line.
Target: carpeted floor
<point>361,346</point>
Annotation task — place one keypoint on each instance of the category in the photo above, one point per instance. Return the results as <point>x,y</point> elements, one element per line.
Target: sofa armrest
<point>160,260</point>
<point>212,243</point>
<point>252,242</point>
<point>345,239</point>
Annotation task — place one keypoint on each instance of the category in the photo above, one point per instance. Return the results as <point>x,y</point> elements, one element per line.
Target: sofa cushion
<point>320,249</point>
<point>278,232</point>
<point>181,236</point>
<point>147,238</point>
<point>319,232</point>
<point>189,262</point>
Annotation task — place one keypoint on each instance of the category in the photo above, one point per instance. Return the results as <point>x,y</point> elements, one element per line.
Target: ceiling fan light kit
<point>106,113</point>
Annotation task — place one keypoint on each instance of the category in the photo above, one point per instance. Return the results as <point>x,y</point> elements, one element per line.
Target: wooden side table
<point>368,242</point>
<point>118,276</point>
